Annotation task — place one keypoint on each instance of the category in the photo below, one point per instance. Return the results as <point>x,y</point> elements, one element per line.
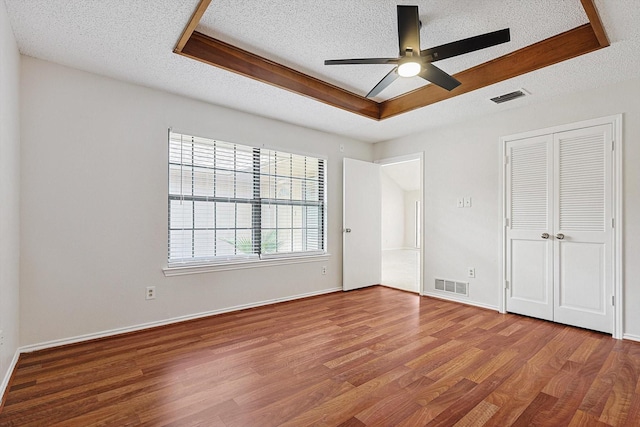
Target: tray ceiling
<point>301,35</point>
<point>545,49</point>
<point>133,41</point>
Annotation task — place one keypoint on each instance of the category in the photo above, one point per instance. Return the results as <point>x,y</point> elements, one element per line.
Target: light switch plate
<point>467,202</point>
<point>460,202</point>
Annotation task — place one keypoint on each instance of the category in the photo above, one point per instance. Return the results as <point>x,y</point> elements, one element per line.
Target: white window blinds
<point>232,202</point>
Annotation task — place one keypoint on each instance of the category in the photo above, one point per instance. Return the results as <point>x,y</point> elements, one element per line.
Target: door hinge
<point>506,160</point>
<point>613,223</point>
<point>613,145</point>
<point>506,222</point>
<point>506,284</point>
<point>613,300</point>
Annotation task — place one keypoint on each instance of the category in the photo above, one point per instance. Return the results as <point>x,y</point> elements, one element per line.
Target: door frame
<point>617,195</point>
<point>406,158</point>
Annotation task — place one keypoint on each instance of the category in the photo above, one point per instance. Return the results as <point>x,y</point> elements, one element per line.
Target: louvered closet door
<point>583,232</point>
<point>529,205</point>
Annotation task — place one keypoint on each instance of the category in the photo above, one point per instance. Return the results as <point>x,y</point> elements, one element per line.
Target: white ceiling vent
<point>452,287</point>
<point>510,96</point>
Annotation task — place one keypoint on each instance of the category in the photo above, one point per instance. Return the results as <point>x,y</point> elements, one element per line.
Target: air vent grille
<point>509,96</point>
<point>452,287</point>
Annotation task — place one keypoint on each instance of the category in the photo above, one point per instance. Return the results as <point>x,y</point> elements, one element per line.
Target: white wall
<point>9,194</point>
<point>93,208</point>
<point>94,205</point>
<point>410,199</point>
<point>392,213</point>
<point>471,237</point>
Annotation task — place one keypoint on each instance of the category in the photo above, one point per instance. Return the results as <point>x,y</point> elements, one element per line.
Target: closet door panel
<point>582,277</point>
<point>582,239</point>
<point>529,253</point>
<point>528,278</point>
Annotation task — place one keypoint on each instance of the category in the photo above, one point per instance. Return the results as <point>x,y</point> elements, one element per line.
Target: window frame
<point>257,202</point>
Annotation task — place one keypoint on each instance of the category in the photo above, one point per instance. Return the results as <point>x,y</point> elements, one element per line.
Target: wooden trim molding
<point>556,49</point>
<point>223,55</point>
<point>594,19</point>
<point>193,23</point>
<point>570,44</point>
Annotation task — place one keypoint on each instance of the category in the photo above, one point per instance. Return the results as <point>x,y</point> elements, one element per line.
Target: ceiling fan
<point>415,62</point>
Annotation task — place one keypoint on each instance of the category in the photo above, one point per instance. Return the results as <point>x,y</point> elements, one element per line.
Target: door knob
<point>545,235</point>
<point>559,236</point>
<point>347,230</point>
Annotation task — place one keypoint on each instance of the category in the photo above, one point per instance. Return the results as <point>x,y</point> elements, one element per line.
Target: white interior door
<point>362,225</point>
<point>583,236</point>
<point>529,246</point>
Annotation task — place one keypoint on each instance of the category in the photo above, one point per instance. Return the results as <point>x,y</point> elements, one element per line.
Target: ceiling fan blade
<point>361,61</point>
<point>382,84</point>
<point>408,28</point>
<point>438,77</point>
<point>470,44</point>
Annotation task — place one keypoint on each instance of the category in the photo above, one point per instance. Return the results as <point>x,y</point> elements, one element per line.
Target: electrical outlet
<point>342,148</point>
<point>467,202</point>
<point>1,338</point>
<point>324,269</point>
<point>460,202</point>
<point>151,292</point>
<point>471,272</point>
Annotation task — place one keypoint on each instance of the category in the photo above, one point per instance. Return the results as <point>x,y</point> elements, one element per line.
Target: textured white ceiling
<point>303,34</point>
<point>133,41</point>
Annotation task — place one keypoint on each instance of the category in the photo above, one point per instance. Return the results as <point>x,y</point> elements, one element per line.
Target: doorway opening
<point>401,197</point>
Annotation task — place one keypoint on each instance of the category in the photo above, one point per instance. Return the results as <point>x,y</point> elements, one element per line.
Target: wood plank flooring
<point>371,357</point>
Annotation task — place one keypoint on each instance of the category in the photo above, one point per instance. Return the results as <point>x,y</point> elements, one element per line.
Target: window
<point>231,202</point>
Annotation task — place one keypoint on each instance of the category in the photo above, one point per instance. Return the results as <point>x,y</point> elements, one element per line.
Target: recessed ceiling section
<point>282,31</point>
<point>270,41</point>
<point>134,41</point>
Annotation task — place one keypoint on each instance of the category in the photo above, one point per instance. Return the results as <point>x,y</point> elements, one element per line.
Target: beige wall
<point>94,205</point>
<point>471,237</point>
<point>9,194</point>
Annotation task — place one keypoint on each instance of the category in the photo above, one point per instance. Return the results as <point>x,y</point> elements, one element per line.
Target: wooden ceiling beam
<point>555,49</point>
<point>228,57</point>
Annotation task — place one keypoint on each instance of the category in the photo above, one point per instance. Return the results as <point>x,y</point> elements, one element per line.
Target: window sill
<point>241,265</point>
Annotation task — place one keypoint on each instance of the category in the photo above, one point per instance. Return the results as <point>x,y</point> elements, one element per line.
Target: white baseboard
<point>134,328</point>
<point>460,300</point>
<point>7,376</point>
<point>631,337</point>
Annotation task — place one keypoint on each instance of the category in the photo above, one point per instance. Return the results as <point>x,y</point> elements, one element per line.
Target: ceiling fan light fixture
<point>409,69</point>
<point>415,62</point>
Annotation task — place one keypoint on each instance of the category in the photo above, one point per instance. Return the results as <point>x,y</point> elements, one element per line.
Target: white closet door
<point>583,232</point>
<point>529,250</point>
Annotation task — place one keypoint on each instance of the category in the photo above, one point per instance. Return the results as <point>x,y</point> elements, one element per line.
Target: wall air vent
<point>510,96</point>
<point>452,287</point>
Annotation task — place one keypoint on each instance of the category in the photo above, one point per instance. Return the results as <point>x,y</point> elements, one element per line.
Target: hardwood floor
<point>371,357</point>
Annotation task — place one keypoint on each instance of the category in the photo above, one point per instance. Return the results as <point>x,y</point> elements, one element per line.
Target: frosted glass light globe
<point>409,69</point>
